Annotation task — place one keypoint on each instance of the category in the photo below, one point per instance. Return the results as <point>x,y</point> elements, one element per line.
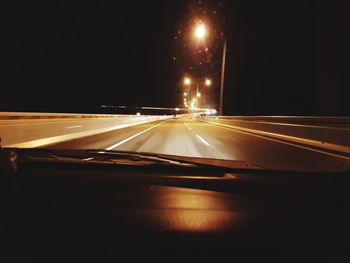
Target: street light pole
<point>207,83</point>
<point>222,77</point>
<point>197,96</point>
<point>204,93</point>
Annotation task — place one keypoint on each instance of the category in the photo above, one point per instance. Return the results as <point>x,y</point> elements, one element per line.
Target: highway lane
<point>189,137</point>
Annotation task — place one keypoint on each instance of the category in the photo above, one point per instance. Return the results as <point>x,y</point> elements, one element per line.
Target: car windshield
<point>258,84</point>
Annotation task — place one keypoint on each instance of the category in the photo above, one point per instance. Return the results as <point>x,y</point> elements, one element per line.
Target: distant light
<point>185,93</point>
<point>187,81</point>
<point>194,99</point>
<point>177,109</point>
<point>198,94</point>
<point>207,82</point>
<point>138,114</point>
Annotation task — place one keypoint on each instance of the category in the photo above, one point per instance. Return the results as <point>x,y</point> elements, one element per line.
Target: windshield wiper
<point>131,158</point>
<point>96,156</point>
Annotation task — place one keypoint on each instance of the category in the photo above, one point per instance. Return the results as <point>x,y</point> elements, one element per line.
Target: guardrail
<point>330,133</point>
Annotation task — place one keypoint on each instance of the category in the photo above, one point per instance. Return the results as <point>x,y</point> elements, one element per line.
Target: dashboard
<point>68,212</point>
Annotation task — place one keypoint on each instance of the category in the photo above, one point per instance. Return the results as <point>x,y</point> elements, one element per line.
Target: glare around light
<point>200,31</point>
<point>185,93</point>
<point>198,94</point>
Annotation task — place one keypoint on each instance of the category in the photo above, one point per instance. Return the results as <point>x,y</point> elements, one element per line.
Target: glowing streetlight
<point>187,81</point>
<point>200,31</point>
<point>208,82</point>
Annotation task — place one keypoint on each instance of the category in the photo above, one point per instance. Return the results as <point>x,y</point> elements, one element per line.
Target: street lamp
<point>187,81</point>
<point>207,82</point>
<point>200,33</point>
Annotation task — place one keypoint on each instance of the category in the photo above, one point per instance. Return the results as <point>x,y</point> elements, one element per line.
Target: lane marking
<point>203,141</point>
<point>73,127</point>
<point>189,128</point>
<point>132,137</point>
<point>236,129</point>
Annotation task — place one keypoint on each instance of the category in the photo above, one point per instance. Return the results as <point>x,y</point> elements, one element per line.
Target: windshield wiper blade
<point>136,158</point>
<point>97,156</point>
<point>133,156</point>
<point>191,161</point>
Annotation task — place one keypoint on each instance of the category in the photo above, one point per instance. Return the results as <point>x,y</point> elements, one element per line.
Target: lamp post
<point>222,77</point>
<point>187,82</point>
<point>207,83</point>
<point>200,34</point>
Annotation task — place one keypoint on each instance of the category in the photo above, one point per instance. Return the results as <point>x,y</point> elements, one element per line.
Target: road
<point>37,132</point>
<point>190,137</point>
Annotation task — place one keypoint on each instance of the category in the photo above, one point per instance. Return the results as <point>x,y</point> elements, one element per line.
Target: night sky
<point>284,57</point>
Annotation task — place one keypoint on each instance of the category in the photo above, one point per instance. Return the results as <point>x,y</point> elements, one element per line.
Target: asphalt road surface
<point>191,137</point>
<point>29,133</point>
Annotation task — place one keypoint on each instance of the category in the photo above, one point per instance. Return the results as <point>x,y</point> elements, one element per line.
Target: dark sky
<point>284,57</point>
